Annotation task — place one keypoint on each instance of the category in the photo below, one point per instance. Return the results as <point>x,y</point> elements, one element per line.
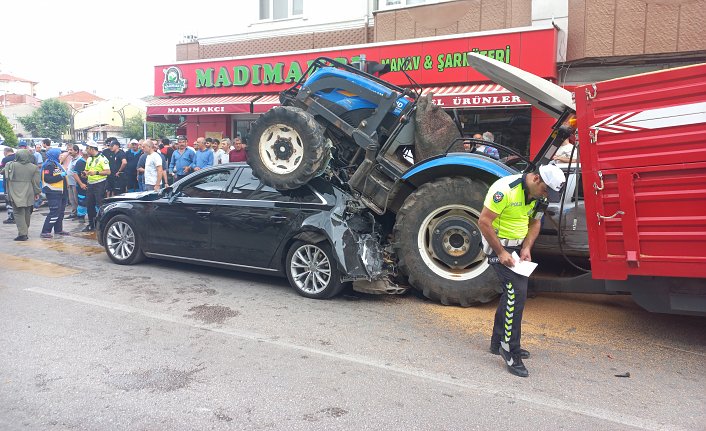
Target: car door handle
<point>203,214</point>
<point>278,219</point>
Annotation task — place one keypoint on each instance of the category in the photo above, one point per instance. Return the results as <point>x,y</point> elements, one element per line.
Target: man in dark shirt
<point>141,170</point>
<point>77,170</point>
<point>118,162</point>
<point>132,156</point>
<point>238,154</point>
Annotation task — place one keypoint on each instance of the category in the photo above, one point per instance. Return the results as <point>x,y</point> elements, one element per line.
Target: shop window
<point>510,126</point>
<point>241,128</point>
<point>280,9</point>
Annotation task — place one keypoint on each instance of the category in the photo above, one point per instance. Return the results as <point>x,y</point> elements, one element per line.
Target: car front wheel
<point>122,242</point>
<point>312,270</point>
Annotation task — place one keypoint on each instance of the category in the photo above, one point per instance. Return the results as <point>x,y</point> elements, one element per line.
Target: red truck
<point>643,142</point>
<point>643,169</point>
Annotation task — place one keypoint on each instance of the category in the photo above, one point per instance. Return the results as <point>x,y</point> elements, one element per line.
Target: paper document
<point>522,267</point>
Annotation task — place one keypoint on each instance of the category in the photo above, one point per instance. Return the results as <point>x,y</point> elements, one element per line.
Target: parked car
<point>225,217</point>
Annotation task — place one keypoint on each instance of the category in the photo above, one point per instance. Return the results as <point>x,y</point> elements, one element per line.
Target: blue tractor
<point>370,138</point>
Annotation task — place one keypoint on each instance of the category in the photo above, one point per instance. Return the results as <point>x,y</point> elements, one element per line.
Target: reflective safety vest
<point>507,198</point>
<point>97,163</point>
<point>56,186</point>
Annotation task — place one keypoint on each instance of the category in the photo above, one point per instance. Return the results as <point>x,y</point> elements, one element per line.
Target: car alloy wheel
<point>120,240</point>
<point>310,269</point>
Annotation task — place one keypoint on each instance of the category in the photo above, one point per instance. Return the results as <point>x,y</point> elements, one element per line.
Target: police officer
<point>510,222</point>
<point>97,170</point>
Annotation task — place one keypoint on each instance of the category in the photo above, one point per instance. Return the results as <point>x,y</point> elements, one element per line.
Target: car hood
<point>542,94</point>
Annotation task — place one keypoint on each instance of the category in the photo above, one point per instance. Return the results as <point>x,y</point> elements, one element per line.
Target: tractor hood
<point>541,93</point>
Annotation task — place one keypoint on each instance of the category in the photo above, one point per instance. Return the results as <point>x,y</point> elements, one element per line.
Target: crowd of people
<point>78,180</point>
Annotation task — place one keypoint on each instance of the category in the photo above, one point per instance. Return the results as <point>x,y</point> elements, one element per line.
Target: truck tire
<point>438,242</point>
<point>287,148</point>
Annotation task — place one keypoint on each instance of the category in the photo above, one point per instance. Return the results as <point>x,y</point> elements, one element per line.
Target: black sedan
<point>225,217</point>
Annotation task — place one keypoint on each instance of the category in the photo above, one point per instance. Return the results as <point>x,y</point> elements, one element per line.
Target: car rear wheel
<point>122,242</point>
<point>312,270</point>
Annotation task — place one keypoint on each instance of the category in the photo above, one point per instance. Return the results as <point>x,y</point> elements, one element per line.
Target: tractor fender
<point>473,166</point>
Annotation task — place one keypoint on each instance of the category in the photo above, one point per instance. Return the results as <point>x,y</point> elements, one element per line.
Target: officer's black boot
<point>514,363</point>
<point>495,350</point>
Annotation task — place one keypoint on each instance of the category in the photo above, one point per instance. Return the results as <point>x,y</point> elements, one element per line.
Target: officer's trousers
<point>57,206</point>
<point>507,328</point>
<point>95,193</point>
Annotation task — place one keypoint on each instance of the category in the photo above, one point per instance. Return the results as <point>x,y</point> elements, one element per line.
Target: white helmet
<point>552,176</point>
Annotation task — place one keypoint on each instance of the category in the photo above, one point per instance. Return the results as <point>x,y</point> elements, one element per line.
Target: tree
<point>6,132</point>
<point>134,128</point>
<point>51,120</point>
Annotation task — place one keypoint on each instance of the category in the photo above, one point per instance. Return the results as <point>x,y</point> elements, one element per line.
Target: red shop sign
<point>434,62</point>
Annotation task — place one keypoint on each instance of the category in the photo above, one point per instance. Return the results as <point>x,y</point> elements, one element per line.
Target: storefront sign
<point>472,101</point>
<point>204,110</point>
<point>432,62</point>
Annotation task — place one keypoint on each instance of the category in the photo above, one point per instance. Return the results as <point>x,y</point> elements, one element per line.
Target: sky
<point>106,47</point>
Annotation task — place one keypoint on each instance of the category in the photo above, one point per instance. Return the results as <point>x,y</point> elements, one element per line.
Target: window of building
<point>281,9</point>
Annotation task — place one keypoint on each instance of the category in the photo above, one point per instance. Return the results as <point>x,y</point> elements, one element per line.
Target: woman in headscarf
<point>22,184</point>
<point>55,187</point>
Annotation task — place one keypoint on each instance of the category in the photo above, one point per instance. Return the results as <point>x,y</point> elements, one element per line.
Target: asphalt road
<point>89,345</point>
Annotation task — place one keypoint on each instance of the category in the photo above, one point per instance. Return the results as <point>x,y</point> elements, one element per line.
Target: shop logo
<point>173,81</point>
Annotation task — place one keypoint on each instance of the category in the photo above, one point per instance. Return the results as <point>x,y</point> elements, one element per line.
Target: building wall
<point>606,28</point>
<point>107,113</point>
<point>296,42</point>
<point>17,87</point>
<point>463,16</point>
<point>13,112</point>
<point>317,27</point>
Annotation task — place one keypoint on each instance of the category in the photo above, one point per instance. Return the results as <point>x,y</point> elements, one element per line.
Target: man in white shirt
<point>153,167</point>
<point>564,153</point>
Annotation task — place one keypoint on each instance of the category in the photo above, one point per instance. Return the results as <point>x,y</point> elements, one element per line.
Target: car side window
<point>208,186</point>
<point>249,187</point>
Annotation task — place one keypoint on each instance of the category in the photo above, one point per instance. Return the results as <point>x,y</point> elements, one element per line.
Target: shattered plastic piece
<point>625,374</point>
<point>371,255</point>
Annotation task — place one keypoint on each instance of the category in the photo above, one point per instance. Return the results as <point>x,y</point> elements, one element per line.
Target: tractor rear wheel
<point>287,148</point>
<point>438,242</point>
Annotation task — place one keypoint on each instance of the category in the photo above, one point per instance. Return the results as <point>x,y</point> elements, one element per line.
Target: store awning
<point>471,96</point>
<point>210,105</point>
<point>264,103</point>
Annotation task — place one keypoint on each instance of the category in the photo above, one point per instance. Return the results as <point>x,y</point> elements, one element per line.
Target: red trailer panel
<point>643,156</point>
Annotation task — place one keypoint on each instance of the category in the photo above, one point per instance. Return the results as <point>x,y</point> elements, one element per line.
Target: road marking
<point>36,267</point>
<point>544,401</point>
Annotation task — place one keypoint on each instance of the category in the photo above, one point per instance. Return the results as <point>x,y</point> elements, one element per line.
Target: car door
<point>181,226</point>
<point>251,221</point>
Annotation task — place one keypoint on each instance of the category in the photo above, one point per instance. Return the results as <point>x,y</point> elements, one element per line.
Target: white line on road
<point>548,403</point>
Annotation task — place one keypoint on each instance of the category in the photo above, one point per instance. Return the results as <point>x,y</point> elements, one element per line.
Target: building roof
<point>80,97</point>
<point>7,77</point>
